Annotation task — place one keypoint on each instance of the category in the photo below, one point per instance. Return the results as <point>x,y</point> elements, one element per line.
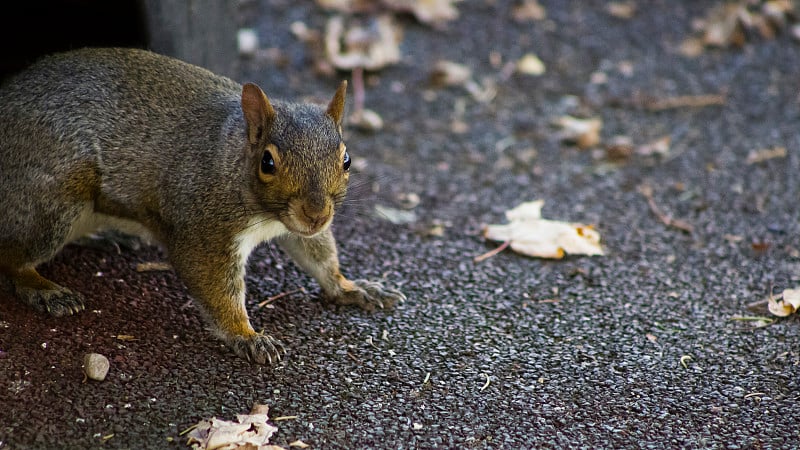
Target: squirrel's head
<point>298,157</point>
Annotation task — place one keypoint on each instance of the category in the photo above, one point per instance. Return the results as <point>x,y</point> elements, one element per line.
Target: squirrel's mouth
<point>308,224</point>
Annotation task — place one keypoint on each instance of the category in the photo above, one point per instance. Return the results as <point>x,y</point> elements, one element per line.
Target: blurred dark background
<point>200,31</point>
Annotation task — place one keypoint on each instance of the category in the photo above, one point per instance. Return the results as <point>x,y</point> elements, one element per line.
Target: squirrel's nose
<point>315,217</point>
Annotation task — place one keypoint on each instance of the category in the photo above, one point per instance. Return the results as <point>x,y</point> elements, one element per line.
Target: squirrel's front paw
<point>57,302</point>
<point>259,348</point>
<point>368,295</point>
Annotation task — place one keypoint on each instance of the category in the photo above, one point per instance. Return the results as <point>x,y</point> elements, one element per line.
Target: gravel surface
<point>635,349</point>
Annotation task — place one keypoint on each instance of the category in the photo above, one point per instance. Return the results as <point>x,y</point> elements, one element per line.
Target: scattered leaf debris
<point>528,11</point>
<point>450,73</point>
<point>366,119</point>
<point>371,44</point>
<point>619,148</point>
<point>732,24</point>
<point>659,147</point>
<point>249,431</point>
<point>365,35</point>
<point>529,234</point>
<point>431,12</point>
<point>395,215</point>
<point>785,303</point>
<point>585,133</point>
<point>621,10</point>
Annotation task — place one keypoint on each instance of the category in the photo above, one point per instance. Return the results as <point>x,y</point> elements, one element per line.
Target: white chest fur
<point>259,230</point>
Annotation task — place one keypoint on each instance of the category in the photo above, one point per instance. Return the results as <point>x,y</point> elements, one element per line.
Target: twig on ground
<point>278,296</point>
<point>491,253</point>
<point>684,101</point>
<point>486,385</point>
<point>667,220</point>
<point>278,419</point>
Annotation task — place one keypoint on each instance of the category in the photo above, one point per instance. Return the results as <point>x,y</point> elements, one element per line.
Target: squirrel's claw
<point>369,295</point>
<point>56,302</point>
<point>260,348</point>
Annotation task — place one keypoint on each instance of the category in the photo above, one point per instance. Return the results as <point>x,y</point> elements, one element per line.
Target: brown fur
<point>123,138</point>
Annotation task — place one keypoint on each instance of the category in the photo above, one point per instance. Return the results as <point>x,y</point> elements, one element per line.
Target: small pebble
<point>95,366</point>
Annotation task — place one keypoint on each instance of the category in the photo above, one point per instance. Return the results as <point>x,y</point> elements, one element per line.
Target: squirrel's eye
<point>267,163</point>
<point>346,163</point>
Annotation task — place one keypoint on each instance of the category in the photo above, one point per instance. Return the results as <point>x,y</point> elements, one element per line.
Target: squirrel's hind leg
<point>42,294</point>
<point>23,250</point>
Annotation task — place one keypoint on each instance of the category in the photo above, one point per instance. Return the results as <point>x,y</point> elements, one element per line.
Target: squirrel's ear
<point>257,111</point>
<point>336,107</point>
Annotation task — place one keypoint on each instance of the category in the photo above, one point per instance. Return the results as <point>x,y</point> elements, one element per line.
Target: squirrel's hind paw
<point>56,302</point>
<point>260,348</point>
<point>369,295</point>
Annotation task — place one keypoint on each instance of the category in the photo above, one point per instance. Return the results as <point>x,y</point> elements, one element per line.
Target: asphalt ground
<point>639,348</point>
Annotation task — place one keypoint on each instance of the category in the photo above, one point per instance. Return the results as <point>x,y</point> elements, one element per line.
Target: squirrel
<point>130,140</point>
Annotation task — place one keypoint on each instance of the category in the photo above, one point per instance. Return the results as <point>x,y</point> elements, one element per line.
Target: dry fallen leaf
<point>529,234</point>
<point>432,12</point>
<point>659,147</point>
<point>394,215</point>
<point>731,24</point>
<point>691,47</point>
<point>449,73</point>
<point>621,10</point>
<point>784,304</point>
<point>371,45</point>
<point>584,132</point>
<point>529,10</point>
<point>619,148</point>
<point>348,6</point>
<point>249,431</point>
<point>723,27</point>
<point>366,120</point>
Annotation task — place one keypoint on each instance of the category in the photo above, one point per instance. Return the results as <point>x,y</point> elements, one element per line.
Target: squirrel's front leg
<point>215,278</point>
<point>317,256</point>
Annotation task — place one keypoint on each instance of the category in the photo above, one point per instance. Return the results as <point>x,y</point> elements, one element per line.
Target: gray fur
<point>131,140</point>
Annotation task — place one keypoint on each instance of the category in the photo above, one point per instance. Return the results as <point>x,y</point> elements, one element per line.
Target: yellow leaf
<point>784,304</point>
